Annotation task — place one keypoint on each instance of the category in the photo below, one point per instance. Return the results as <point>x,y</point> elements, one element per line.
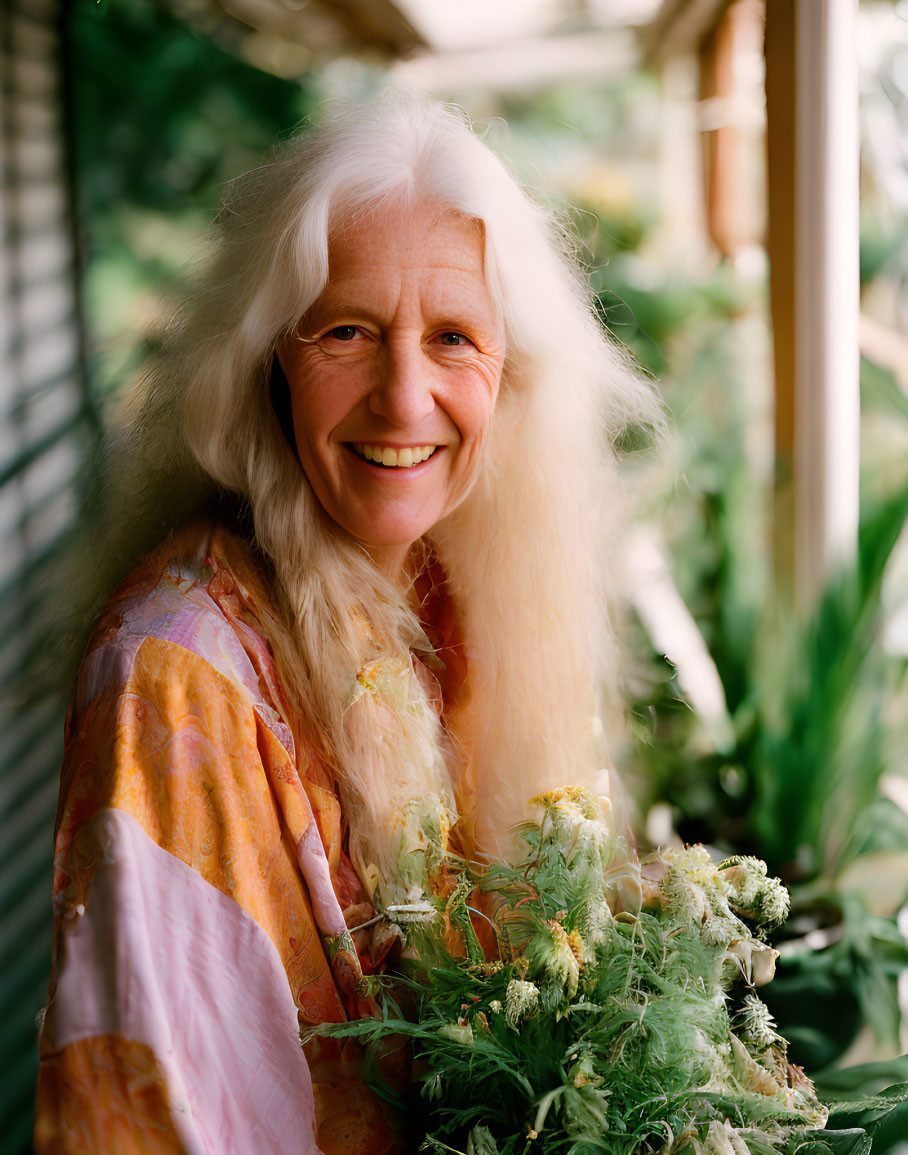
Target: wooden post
<point>781,31</point>
<point>811,88</point>
<point>733,218</point>
<point>827,285</point>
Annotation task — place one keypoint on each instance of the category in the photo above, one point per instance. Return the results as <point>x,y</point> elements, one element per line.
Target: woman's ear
<point>279,388</point>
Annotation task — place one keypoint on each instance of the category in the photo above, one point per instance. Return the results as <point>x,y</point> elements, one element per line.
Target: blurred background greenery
<point>755,729</point>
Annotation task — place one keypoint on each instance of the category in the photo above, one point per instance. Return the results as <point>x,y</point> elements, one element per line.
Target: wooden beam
<point>680,27</point>
<point>331,26</point>
<point>376,23</point>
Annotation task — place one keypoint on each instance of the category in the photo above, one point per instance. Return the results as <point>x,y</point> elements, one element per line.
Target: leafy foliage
<point>151,157</point>
<point>621,1014</point>
<point>818,765</point>
<point>816,708</point>
<point>800,787</point>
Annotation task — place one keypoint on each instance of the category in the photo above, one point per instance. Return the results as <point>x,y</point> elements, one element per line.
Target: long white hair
<point>526,553</point>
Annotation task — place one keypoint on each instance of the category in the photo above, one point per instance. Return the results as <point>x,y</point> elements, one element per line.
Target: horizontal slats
<point>23,397</point>
<point>31,876</point>
<point>41,209</point>
<point>19,464</point>
<point>29,572</point>
<point>44,255</point>
<point>33,38</point>
<point>39,723</point>
<point>23,832</point>
<point>34,76</point>
<point>44,305</point>
<point>42,439</point>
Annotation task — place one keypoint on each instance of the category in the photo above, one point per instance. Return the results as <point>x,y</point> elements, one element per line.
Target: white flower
<point>412,912</point>
<point>774,902</point>
<point>756,960</point>
<point>754,894</point>
<point>557,956</point>
<point>757,1024</point>
<point>457,1033</point>
<point>719,931</point>
<point>521,1001</point>
<point>723,1139</point>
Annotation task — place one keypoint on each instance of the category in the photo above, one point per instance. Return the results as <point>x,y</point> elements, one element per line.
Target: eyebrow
<point>455,317</point>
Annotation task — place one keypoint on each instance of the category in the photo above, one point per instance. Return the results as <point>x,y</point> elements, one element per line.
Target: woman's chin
<point>389,529</point>
<point>389,550</point>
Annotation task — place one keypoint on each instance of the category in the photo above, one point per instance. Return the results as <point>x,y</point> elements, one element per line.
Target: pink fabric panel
<point>184,614</point>
<point>162,957</point>
<point>310,853</point>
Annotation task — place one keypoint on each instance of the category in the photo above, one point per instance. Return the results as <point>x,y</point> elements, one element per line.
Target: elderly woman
<point>392,380</point>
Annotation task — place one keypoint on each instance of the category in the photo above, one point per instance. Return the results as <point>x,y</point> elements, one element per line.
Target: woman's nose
<point>402,393</point>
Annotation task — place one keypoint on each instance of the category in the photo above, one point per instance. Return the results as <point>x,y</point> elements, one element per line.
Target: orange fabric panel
<point>208,770</point>
<point>100,1096</point>
<point>348,1117</point>
<point>179,748</point>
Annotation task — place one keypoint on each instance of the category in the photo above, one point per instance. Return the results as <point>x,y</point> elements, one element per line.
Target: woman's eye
<point>454,339</point>
<point>343,333</point>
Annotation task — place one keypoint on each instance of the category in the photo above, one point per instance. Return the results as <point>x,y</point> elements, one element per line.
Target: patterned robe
<point>199,892</point>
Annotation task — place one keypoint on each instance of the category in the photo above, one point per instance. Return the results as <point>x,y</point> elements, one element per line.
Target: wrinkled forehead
<point>399,227</point>
<point>377,246</point>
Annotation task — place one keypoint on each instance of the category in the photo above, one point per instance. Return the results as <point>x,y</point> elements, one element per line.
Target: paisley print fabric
<point>200,890</point>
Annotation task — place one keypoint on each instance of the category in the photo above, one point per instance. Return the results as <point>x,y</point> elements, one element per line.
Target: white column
<point>827,408</point>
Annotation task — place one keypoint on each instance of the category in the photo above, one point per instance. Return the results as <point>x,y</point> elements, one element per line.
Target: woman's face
<point>393,375</point>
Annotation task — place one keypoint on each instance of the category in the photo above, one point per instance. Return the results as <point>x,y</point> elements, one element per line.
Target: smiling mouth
<point>394,458</point>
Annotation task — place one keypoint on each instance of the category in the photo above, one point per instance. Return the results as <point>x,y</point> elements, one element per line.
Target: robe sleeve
<point>196,926</point>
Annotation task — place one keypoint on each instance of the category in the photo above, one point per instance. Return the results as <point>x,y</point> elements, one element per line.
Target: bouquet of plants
<point>581,1001</point>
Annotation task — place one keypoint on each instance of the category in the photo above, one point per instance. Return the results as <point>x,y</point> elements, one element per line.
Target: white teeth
<point>397,458</point>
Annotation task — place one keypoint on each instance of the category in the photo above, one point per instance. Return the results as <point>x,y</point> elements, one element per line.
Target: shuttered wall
<point>44,427</point>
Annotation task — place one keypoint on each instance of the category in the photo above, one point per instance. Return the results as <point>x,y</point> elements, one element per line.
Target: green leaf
<point>879,388</point>
<point>852,1142</point>
<point>862,1080</point>
<point>481,1142</point>
<point>887,1108</point>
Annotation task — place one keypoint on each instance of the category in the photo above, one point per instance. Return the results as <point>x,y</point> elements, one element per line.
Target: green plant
<point>620,1016</point>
